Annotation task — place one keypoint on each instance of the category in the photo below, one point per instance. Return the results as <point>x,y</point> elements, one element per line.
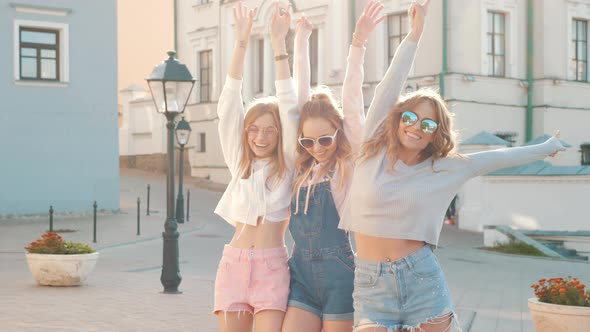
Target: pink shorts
<point>252,280</point>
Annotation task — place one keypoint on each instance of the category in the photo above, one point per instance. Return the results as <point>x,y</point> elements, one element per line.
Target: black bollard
<point>51,218</point>
<point>138,203</point>
<point>94,222</point>
<point>148,201</point>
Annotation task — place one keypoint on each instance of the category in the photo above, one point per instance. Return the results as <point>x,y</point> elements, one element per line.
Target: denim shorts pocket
<point>365,277</point>
<point>427,267</point>
<point>347,261</point>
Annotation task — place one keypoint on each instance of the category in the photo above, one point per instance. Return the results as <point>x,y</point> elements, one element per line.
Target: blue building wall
<point>59,143</point>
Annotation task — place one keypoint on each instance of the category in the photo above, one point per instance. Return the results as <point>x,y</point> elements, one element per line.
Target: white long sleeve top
<point>409,202</point>
<point>353,118</point>
<point>245,200</point>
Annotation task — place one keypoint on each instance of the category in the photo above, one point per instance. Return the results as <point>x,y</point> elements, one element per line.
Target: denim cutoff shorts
<point>402,294</point>
<point>322,282</point>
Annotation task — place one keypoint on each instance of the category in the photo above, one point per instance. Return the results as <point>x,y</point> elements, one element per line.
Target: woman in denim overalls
<point>322,262</point>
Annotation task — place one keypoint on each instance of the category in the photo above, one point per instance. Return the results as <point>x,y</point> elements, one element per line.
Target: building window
<point>496,41</point>
<point>580,49</point>
<point>313,56</point>
<point>203,2</point>
<point>205,75</point>
<point>258,51</point>
<point>509,136</point>
<point>39,54</point>
<point>201,143</point>
<point>397,29</point>
<point>585,149</point>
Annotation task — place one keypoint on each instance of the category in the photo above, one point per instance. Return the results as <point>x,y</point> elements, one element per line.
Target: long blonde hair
<point>322,105</point>
<point>444,139</point>
<point>258,108</point>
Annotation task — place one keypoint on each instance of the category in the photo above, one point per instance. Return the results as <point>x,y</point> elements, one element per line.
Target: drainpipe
<point>445,67</point>
<point>175,31</point>
<point>529,74</point>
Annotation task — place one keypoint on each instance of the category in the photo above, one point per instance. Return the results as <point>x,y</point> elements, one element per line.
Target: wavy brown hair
<point>322,105</point>
<point>258,108</point>
<point>444,139</point>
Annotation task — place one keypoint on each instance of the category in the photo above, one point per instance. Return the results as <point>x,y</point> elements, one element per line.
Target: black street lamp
<point>170,85</point>
<point>183,132</point>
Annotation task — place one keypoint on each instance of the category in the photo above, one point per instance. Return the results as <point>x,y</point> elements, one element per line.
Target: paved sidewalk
<point>124,292</point>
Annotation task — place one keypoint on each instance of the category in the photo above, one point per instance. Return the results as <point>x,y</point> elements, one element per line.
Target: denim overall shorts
<point>322,263</point>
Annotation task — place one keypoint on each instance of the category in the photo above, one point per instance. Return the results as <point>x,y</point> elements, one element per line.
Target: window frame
<point>62,53</point>
<point>201,146</point>
<point>492,34</point>
<point>209,70</point>
<point>390,36</point>
<point>39,47</point>
<point>575,61</point>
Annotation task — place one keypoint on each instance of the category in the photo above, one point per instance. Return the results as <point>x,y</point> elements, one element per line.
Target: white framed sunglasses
<point>428,126</point>
<point>325,141</point>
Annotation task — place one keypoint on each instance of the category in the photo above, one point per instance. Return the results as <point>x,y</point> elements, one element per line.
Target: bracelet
<point>356,41</point>
<point>243,43</point>
<point>281,57</point>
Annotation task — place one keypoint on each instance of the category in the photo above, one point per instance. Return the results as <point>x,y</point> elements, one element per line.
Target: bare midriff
<point>264,235</point>
<point>380,249</point>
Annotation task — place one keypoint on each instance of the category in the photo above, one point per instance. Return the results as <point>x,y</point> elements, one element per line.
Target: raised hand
<point>303,28</point>
<point>367,23</point>
<point>243,19</point>
<point>556,135</point>
<point>417,14</point>
<point>280,22</point>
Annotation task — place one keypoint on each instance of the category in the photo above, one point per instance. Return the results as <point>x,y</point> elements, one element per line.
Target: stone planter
<point>61,270</point>
<point>549,317</point>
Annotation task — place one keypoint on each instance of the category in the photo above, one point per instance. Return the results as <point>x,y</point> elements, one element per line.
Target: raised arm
<point>279,27</point>
<point>243,19</point>
<point>230,108</point>
<point>388,90</point>
<point>481,163</point>
<point>353,105</point>
<point>301,64</point>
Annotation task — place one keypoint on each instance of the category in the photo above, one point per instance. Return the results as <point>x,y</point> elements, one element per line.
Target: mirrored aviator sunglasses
<point>428,126</point>
<point>324,141</point>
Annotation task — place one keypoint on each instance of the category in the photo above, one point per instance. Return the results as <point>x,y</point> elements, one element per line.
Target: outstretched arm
<point>388,90</point>
<point>353,105</point>
<point>230,107</point>
<point>301,64</point>
<point>279,27</point>
<point>481,163</point>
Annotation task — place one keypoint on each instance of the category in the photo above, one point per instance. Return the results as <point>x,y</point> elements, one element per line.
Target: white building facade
<point>496,74</point>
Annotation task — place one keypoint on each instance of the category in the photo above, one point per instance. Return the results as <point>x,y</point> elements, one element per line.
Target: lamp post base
<point>170,277</point>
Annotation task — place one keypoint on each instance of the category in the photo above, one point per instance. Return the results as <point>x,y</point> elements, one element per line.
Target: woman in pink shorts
<point>252,283</point>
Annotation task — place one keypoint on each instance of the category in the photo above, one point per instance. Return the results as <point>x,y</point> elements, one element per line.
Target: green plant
<point>52,243</point>
<point>566,291</point>
<point>516,248</point>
